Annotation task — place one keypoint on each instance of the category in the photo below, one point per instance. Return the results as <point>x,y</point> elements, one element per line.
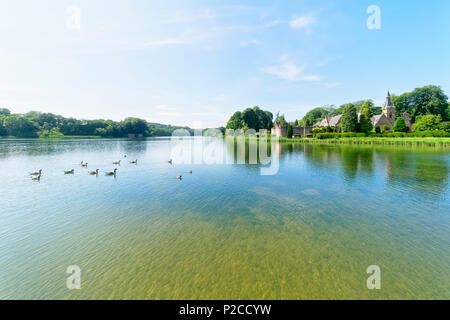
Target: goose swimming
<point>36,173</point>
<point>92,173</point>
<point>111,173</point>
<point>69,171</point>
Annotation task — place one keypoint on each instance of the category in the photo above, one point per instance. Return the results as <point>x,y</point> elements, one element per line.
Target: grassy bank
<point>414,141</point>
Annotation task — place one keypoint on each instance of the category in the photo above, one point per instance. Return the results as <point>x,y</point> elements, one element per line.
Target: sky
<point>197,62</point>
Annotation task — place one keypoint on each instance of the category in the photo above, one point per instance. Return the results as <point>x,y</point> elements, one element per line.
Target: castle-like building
<point>386,118</point>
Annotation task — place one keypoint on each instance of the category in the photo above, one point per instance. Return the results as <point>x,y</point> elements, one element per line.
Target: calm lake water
<point>224,232</point>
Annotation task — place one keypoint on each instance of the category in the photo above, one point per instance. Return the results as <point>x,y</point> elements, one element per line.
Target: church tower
<point>389,108</point>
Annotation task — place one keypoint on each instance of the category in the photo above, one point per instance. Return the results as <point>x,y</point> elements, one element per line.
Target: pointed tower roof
<point>388,102</point>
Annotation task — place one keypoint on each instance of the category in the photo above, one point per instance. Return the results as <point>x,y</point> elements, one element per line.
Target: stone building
<point>281,131</point>
<point>387,117</point>
<point>328,121</point>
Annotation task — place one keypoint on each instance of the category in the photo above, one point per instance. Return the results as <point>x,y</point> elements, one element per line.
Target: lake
<point>225,231</point>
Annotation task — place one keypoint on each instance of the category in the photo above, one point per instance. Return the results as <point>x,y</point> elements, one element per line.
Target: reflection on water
<point>224,231</point>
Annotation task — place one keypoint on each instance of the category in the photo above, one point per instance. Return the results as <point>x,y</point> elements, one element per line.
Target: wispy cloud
<point>291,72</point>
<point>302,22</point>
<point>249,42</point>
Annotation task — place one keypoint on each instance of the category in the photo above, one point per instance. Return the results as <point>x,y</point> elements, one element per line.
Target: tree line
<point>35,124</point>
<point>428,107</point>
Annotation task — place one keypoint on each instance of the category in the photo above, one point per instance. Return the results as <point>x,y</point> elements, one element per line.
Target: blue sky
<point>181,62</point>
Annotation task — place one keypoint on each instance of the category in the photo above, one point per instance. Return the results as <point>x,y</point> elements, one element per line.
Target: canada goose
<point>69,171</point>
<point>133,161</point>
<point>93,172</point>
<point>116,162</point>
<point>170,161</point>
<point>84,165</point>
<point>36,173</point>
<point>111,173</point>
<point>37,178</point>
<point>81,163</point>
<point>179,177</point>
<point>190,171</point>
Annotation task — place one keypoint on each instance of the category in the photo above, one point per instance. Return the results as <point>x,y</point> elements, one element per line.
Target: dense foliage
<point>349,118</point>
<point>423,101</point>
<point>365,124</point>
<point>37,124</point>
<point>251,118</point>
<point>427,122</point>
<point>400,125</point>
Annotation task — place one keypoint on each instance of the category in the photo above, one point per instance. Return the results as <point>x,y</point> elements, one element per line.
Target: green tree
<point>314,116</point>
<point>289,131</point>
<point>18,126</point>
<point>250,118</point>
<point>134,126</point>
<point>235,121</point>
<point>427,122</point>
<point>365,124</point>
<point>422,101</point>
<point>281,120</point>
<point>400,125</point>
<point>349,118</point>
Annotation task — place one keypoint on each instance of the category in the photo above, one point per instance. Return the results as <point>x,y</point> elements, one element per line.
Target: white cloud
<point>291,72</point>
<point>302,22</point>
<point>249,42</point>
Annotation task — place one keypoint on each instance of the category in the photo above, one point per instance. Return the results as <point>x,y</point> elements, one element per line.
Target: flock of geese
<point>36,176</point>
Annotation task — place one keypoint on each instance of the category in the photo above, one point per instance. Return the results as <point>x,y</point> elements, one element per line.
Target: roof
<point>375,119</point>
<point>329,121</point>
<point>388,102</point>
<point>334,121</point>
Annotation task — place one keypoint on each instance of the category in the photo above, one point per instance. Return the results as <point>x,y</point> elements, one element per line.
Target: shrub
<point>427,122</point>
<point>385,129</point>
<point>289,131</point>
<point>400,125</point>
<point>378,129</point>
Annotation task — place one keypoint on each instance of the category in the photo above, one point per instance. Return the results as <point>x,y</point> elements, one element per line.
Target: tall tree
<point>422,101</point>
<point>235,121</point>
<point>349,118</point>
<point>289,131</point>
<point>365,124</point>
<point>314,116</point>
